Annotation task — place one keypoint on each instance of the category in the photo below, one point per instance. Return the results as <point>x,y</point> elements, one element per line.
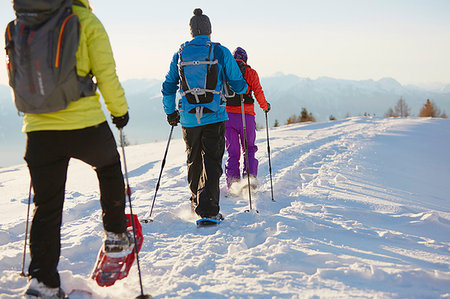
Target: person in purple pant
<point>234,131</point>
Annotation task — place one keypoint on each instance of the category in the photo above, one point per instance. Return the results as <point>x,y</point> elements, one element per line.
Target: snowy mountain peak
<point>390,84</point>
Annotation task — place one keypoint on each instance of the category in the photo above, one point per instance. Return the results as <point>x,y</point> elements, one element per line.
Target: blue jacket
<point>227,70</point>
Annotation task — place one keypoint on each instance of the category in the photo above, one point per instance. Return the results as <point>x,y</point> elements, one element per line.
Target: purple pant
<point>234,141</point>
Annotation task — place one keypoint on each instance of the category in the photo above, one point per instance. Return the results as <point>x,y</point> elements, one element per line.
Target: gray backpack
<point>40,45</point>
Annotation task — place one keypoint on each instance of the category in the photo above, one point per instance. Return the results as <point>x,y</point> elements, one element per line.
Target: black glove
<point>174,118</point>
<point>120,121</point>
<point>268,108</point>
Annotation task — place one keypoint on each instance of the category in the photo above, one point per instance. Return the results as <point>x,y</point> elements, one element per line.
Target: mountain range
<point>288,94</point>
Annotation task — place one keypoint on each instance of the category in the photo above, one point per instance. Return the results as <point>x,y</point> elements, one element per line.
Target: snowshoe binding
<point>210,220</point>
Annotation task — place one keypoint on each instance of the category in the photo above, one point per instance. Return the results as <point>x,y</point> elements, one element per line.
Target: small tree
<point>430,110</point>
<point>305,116</point>
<point>390,113</point>
<point>276,124</point>
<point>401,109</point>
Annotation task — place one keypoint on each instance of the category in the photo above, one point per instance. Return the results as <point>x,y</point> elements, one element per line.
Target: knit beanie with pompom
<point>200,24</point>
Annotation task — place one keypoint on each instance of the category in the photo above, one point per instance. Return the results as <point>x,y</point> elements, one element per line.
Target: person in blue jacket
<point>199,70</point>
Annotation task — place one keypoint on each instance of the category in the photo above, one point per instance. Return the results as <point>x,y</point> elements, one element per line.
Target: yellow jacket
<point>94,54</point>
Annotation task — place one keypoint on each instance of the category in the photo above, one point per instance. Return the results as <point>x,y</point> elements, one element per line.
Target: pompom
<point>198,12</point>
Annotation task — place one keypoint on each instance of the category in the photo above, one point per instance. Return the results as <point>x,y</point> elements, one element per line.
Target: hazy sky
<point>408,40</point>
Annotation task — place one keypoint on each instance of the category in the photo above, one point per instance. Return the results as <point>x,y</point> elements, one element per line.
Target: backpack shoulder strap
<point>211,50</point>
<point>214,46</point>
<point>9,32</point>
<point>182,46</point>
<point>9,45</point>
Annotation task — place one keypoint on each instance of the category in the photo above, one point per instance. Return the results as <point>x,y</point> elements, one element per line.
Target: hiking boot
<point>38,290</point>
<point>118,242</point>
<point>216,217</point>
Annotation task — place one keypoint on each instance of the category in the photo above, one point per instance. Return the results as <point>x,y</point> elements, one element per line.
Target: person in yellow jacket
<point>79,131</point>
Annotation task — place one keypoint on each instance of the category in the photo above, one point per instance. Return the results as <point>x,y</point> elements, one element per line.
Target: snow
<point>361,210</point>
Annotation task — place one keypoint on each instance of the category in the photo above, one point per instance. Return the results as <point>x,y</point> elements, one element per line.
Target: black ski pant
<point>47,155</point>
<point>205,146</point>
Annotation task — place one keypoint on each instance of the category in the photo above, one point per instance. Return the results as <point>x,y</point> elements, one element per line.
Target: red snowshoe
<point>111,267</point>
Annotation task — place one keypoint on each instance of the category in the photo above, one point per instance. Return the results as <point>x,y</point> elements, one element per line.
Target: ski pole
<point>246,154</point>
<point>26,232</point>
<point>268,152</point>
<point>128,191</point>
<point>148,219</point>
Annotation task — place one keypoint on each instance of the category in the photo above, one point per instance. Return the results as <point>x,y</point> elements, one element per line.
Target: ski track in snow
<point>357,213</point>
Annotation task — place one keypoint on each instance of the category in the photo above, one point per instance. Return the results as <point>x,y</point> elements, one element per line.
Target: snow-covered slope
<point>361,210</point>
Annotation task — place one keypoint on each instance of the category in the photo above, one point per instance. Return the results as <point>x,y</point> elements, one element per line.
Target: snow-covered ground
<point>362,209</point>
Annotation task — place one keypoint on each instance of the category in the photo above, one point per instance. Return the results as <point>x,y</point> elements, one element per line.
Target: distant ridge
<point>287,94</point>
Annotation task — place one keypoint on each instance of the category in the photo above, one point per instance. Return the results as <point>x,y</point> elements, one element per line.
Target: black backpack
<point>234,99</point>
<point>40,45</point>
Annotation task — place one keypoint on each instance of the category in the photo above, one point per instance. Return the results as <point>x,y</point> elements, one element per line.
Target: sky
<point>407,40</point>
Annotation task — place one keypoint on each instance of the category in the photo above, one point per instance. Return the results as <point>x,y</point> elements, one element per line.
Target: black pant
<point>47,155</point>
<point>205,146</point>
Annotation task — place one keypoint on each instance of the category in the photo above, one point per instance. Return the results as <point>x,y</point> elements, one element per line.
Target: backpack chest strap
<point>183,63</point>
